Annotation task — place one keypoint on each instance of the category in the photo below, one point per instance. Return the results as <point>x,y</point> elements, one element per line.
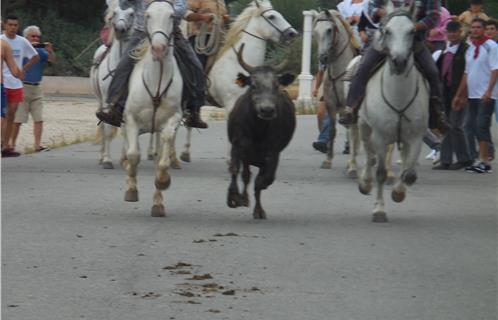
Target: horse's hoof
<point>158,210</point>
<point>175,164</point>
<point>365,189</point>
<point>326,165</point>
<point>151,157</point>
<point>259,214</point>
<point>409,177</point>
<point>379,217</point>
<point>398,196</point>
<point>107,165</point>
<point>163,185</point>
<point>131,195</point>
<point>185,157</point>
<point>352,174</point>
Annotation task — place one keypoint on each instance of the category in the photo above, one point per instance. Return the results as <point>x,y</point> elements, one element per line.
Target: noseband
<point>282,32</point>
<point>167,36</point>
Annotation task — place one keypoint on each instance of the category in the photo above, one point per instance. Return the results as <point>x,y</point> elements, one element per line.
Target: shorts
<point>15,95</point>
<point>32,104</point>
<point>4,102</point>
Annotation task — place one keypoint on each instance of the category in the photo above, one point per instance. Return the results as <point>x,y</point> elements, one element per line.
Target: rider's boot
<point>436,108</point>
<point>112,115</point>
<point>193,120</point>
<point>347,117</point>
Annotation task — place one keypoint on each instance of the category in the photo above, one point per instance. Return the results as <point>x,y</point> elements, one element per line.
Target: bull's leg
<point>132,159</point>
<point>233,197</point>
<point>266,176</point>
<point>185,156</point>
<point>108,134</point>
<point>327,163</point>
<point>365,181</point>
<point>246,178</point>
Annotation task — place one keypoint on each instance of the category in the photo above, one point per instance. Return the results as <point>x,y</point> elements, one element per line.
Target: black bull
<point>258,136</point>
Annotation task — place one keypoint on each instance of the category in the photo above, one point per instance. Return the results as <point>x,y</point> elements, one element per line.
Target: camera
<point>39,45</point>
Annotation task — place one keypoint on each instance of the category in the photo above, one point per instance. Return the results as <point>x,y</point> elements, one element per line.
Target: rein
<point>282,32</point>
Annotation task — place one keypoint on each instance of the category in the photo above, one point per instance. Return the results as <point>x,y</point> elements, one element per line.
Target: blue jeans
<point>478,123</point>
<point>324,135</point>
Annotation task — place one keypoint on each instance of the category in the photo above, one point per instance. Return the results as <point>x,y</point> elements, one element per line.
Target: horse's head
<point>396,36</point>
<point>159,18</point>
<point>270,24</point>
<point>330,33</point>
<point>122,21</point>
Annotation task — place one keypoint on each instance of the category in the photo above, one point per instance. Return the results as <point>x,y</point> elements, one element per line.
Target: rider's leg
<point>118,88</point>
<point>428,67</point>
<point>359,83</point>
<point>195,81</point>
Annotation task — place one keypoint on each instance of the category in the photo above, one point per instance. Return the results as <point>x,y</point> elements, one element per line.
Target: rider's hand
<point>364,37</point>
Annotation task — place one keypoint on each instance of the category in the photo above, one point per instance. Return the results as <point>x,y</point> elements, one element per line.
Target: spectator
<point>475,11</point>
<point>492,29</point>
<point>33,95</point>
<point>7,59</point>
<point>451,65</point>
<point>366,27</point>
<point>21,49</point>
<point>436,39</point>
<point>479,86</point>
<point>322,116</point>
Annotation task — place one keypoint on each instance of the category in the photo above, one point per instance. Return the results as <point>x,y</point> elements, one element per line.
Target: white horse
<point>258,24</point>
<point>101,75</point>
<point>154,102</point>
<point>338,45</point>
<point>395,108</point>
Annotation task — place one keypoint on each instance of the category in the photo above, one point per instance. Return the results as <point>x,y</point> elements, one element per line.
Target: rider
<point>428,13</point>
<point>194,78</point>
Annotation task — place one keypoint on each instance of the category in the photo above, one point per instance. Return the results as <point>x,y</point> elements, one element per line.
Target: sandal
<point>42,148</point>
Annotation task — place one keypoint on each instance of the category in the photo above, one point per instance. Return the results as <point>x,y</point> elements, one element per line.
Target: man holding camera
<point>21,50</point>
<point>33,94</point>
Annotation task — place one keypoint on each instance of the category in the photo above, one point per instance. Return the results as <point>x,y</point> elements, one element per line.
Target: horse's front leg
<point>185,156</point>
<point>391,177</point>
<point>365,181</point>
<point>107,136</point>
<point>379,214</point>
<point>410,151</point>
<point>132,158</point>
<point>175,164</point>
<point>354,139</point>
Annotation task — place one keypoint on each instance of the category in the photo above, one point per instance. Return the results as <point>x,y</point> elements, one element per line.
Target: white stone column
<point>304,100</point>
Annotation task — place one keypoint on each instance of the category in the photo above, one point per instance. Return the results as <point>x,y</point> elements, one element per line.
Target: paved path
<point>73,249</point>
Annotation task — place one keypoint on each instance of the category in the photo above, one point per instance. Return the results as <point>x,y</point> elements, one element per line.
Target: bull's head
<point>264,83</point>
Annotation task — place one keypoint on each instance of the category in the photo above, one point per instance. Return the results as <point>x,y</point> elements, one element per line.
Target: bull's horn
<point>281,66</point>
<point>242,63</point>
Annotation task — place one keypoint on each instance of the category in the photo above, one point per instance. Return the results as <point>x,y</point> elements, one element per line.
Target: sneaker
<point>479,167</point>
<point>320,146</point>
<point>42,149</point>
<point>431,155</point>
<point>437,158</point>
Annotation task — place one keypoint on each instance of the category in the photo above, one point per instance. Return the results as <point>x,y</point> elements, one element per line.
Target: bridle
<point>168,37</point>
<point>262,14</point>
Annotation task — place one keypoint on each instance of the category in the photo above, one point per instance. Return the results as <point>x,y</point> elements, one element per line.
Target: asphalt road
<point>73,249</point>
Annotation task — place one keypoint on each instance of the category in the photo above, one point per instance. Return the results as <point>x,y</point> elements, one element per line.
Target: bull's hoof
<point>233,200</point>
<point>164,184</point>
<point>158,211</point>
<point>107,165</point>
<point>365,189</point>
<point>185,157</point>
<point>131,195</point>
<point>175,164</point>
<point>379,217</point>
<point>326,165</point>
<point>353,174</point>
<point>398,196</point>
<point>259,214</point>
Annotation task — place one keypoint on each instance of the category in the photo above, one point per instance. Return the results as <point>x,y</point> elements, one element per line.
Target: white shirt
<point>479,70</point>
<point>21,48</point>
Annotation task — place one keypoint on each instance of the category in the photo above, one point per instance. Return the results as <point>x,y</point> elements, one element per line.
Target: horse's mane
<point>234,33</point>
<point>354,41</point>
<point>140,50</point>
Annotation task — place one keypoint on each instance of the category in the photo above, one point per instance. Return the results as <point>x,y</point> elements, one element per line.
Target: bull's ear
<point>243,80</point>
<point>286,79</point>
